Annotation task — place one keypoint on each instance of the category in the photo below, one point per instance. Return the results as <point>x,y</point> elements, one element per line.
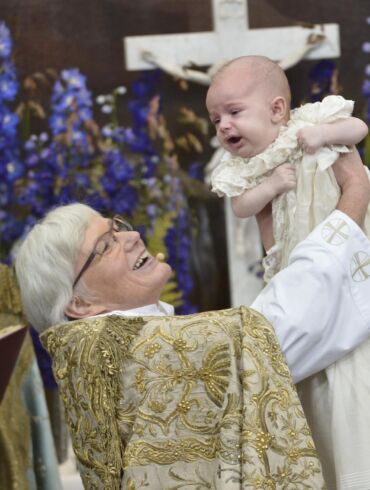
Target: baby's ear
<point>279,109</point>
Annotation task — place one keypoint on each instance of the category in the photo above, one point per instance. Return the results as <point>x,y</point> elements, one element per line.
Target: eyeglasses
<point>105,243</point>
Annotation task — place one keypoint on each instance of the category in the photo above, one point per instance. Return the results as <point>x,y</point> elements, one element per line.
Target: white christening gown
<point>337,399</point>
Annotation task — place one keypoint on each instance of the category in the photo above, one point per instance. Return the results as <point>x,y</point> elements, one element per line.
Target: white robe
<point>327,309</point>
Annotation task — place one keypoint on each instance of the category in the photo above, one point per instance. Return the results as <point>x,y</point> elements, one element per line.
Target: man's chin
<point>167,271</point>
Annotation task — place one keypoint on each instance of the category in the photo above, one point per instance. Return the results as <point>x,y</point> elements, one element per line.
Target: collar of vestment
<point>156,309</point>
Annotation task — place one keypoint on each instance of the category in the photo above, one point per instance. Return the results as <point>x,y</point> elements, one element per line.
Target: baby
<point>249,104</point>
<point>285,158</point>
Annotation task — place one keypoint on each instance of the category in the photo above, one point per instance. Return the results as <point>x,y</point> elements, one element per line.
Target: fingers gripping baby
<point>272,146</point>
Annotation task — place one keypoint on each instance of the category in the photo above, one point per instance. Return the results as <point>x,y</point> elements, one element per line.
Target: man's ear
<point>279,108</point>
<point>82,308</point>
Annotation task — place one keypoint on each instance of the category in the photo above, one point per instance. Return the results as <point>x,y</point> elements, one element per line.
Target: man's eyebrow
<point>103,234</point>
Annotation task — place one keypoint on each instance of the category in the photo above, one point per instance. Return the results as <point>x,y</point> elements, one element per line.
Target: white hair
<point>45,264</point>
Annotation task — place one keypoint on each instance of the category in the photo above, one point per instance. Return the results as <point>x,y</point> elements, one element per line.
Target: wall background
<point>88,33</point>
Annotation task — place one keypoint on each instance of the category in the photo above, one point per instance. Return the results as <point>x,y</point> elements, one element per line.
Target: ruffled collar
<point>283,149</point>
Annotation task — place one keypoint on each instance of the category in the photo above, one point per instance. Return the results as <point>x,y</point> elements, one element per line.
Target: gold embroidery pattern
<point>10,301</point>
<point>15,430</point>
<point>203,401</point>
<point>87,358</point>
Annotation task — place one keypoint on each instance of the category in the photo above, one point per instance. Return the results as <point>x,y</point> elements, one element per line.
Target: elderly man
<point>76,264</point>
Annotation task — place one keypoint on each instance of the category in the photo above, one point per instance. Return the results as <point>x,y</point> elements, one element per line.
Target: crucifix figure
<point>230,38</point>
<point>180,54</point>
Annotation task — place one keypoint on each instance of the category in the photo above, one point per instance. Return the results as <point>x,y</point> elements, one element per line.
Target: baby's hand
<point>283,178</point>
<point>311,138</point>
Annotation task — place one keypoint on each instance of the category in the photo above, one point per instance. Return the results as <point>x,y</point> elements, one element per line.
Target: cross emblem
<point>230,38</point>
<point>335,232</point>
<point>360,266</point>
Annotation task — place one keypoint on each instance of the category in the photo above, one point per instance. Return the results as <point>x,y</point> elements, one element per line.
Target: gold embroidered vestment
<point>177,402</point>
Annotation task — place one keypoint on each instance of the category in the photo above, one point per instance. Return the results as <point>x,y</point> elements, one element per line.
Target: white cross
<point>230,38</point>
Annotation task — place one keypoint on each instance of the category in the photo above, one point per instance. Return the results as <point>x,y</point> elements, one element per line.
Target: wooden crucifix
<point>231,38</point>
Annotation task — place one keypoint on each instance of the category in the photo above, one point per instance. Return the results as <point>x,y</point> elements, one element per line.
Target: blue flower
<point>8,88</point>
<point>196,171</point>
<point>151,164</point>
<point>138,141</point>
<point>9,123</point>
<point>32,160</point>
<point>366,88</point>
<point>5,41</point>
<point>74,79</point>
<point>57,123</point>
<point>366,47</point>
<point>15,170</point>
<point>82,180</point>
<point>106,109</point>
<point>30,144</point>
<point>107,131</point>
<point>125,200</point>
<point>119,135</point>
<point>117,166</point>
<point>151,210</point>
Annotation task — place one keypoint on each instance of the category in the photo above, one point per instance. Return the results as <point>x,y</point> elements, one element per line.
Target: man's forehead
<point>96,228</point>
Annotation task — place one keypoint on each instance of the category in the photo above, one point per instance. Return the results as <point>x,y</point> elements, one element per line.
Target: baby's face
<point>241,115</point>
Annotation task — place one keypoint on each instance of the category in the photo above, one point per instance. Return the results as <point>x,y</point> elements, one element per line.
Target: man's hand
<point>282,179</point>
<point>311,138</point>
<point>354,183</point>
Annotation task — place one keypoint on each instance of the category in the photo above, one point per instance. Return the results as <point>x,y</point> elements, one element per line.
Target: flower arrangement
<point>323,80</point>
<point>133,171</point>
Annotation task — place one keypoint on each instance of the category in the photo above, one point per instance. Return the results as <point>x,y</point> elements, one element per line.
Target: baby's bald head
<point>248,102</point>
<point>257,73</point>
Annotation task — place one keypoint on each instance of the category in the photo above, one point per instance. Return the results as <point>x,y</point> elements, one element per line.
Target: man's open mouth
<point>141,261</point>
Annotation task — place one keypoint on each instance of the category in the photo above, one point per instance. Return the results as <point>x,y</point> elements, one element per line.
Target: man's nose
<point>128,238</point>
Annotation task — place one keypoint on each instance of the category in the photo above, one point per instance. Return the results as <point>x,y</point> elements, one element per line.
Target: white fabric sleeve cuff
<point>319,304</point>
<point>343,238</point>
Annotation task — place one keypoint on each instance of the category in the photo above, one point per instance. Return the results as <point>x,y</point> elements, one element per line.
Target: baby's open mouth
<point>234,139</point>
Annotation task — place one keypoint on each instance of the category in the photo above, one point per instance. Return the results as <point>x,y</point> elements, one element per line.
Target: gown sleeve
<point>319,303</point>
<point>228,178</point>
<point>330,109</point>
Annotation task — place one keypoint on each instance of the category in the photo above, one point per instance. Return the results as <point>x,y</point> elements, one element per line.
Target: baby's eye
<point>215,121</point>
<point>235,111</point>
